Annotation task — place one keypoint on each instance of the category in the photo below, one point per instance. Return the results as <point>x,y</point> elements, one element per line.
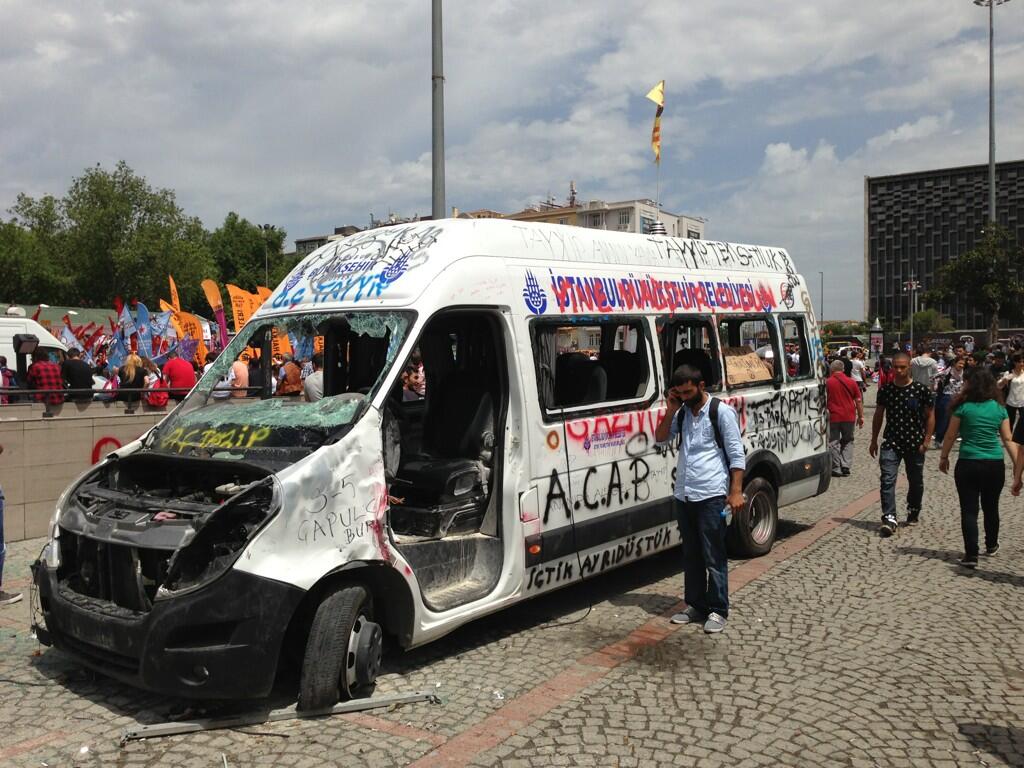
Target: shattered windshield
<point>284,385</point>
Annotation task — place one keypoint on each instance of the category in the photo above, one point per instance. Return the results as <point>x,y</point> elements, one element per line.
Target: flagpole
<point>657,194</point>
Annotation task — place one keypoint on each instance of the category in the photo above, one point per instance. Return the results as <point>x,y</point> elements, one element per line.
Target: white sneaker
<point>9,598</point>
<point>714,624</point>
<point>690,616</point>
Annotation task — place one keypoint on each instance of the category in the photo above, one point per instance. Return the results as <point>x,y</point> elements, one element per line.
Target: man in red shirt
<point>845,406</point>
<point>45,374</point>
<point>180,376</point>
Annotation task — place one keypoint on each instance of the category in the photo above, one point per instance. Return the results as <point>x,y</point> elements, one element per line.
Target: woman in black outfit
<point>131,379</point>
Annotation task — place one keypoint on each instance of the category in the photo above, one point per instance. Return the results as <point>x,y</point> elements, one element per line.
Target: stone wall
<point>43,453</point>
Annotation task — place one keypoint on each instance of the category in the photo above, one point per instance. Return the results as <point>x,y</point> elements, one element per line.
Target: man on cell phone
<point>709,483</point>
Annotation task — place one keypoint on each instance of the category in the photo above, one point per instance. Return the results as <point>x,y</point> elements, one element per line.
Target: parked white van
<point>10,325</point>
<point>241,530</point>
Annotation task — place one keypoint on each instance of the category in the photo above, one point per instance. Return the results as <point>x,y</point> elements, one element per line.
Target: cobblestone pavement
<point>842,649</point>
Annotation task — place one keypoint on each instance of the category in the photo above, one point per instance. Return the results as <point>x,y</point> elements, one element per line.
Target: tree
<point>242,251</point>
<point>112,234</point>
<point>30,268</point>
<point>988,277</point>
<point>929,321</point>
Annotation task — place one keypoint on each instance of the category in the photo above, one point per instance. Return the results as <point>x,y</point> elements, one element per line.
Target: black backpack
<point>713,415</point>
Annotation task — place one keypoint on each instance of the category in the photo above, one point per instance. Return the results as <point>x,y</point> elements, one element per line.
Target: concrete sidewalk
<point>842,649</point>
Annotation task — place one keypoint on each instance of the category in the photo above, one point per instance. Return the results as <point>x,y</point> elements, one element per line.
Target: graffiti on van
<point>623,431</point>
<point>631,548</point>
<point>359,267</point>
<point>564,244</point>
<point>574,293</point>
<point>787,419</point>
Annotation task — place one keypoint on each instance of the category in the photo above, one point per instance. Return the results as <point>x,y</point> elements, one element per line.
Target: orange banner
<point>190,324</point>
<point>175,302</point>
<point>242,305</point>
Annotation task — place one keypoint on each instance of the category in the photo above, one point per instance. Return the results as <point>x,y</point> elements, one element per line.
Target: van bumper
<point>221,641</point>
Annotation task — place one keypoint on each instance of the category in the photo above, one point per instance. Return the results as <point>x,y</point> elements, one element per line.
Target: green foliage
<point>243,251</point>
<point>113,234</point>
<point>838,328</point>
<point>930,321</point>
<point>987,276</point>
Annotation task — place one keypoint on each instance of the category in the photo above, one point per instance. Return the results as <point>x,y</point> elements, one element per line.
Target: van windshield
<point>252,400</point>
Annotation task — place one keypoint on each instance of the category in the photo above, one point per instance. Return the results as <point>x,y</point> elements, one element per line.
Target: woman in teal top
<point>979,418</point>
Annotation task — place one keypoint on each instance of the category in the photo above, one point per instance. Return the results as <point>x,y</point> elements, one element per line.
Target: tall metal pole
<point>991,114</point>
<point>437,80</point>
<point>991,105</point>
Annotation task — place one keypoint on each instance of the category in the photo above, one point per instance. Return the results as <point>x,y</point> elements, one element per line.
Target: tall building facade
<point>914,223</point>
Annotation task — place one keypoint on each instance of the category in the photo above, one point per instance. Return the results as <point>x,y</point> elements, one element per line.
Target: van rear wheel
<point>754,527</point>
<point>343,652</point>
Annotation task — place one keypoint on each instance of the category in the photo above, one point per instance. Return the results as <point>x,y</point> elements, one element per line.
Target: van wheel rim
<point>761,518</point>
<point>364,655</point>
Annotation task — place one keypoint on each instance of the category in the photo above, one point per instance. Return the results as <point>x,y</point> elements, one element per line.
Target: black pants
<point>979,479</point>
<point>1014,414</point>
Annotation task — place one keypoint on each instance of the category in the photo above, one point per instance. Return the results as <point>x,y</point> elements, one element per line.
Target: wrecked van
<point>491,391</point>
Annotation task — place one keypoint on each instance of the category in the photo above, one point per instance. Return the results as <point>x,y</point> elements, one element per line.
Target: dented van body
<point>486,434</point>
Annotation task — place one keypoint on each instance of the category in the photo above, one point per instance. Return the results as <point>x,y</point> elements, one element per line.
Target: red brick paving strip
<point>539,701</point>
<point>27,746</point>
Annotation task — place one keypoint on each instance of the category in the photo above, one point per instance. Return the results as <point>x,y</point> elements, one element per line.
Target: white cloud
<point>311,115</point>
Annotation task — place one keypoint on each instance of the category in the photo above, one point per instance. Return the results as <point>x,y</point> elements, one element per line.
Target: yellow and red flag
<point>657,95</point>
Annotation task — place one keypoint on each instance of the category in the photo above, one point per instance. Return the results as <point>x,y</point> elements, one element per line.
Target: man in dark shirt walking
<point>77,375</point>
<point>906,407</point>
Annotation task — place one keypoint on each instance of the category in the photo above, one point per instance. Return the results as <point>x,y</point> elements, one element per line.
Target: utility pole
<point>437,112</point>
<point>911,286</point>
<point>991,105</point>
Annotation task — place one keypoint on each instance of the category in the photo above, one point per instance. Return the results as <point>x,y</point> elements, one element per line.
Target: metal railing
<point>25,396</point>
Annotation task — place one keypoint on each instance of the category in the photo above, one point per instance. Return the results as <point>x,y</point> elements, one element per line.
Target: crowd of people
<point>938,398</point>
<point>141,379</point>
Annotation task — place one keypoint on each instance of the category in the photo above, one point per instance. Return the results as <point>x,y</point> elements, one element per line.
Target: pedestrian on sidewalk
<point>845,408</point>
<point>906,408</point>
<point>857,371</point>
<point>709,483</point>
<point>1012,384</point>
<point>947,387</point>
<point>923,367</point>
<point>6,598</point>
<point>885,374</point>
<point>980,419</point>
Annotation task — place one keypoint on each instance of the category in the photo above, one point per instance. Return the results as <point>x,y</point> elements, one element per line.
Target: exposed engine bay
<point>147,526</point>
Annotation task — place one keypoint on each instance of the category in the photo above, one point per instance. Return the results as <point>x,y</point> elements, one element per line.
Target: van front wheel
<point>753,528</point>
<point>343,651</point>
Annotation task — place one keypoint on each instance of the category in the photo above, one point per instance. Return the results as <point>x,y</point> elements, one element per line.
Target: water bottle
<point>727,512</point>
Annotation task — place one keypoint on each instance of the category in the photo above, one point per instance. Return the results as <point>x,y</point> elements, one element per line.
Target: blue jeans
<point>705,565</point>
<point>889,462</point>
<point>941,415</point>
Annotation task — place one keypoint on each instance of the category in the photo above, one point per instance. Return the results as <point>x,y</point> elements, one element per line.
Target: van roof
<point>395,264</point>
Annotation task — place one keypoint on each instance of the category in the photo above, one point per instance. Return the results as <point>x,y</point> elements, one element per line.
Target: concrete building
<point>306,245</point>
<point>623,216</point>
<point>914,223</point>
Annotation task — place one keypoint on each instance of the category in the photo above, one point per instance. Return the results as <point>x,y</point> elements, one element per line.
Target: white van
<point>241,530</point>
<point>14,324</point>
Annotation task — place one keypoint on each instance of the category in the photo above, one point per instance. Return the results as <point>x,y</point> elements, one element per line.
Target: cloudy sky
<point>310,115</point>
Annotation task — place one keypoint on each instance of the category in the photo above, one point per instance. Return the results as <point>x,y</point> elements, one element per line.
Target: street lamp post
<point>911,286</point>
<point>991,105</point>
<point>437,205</point>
